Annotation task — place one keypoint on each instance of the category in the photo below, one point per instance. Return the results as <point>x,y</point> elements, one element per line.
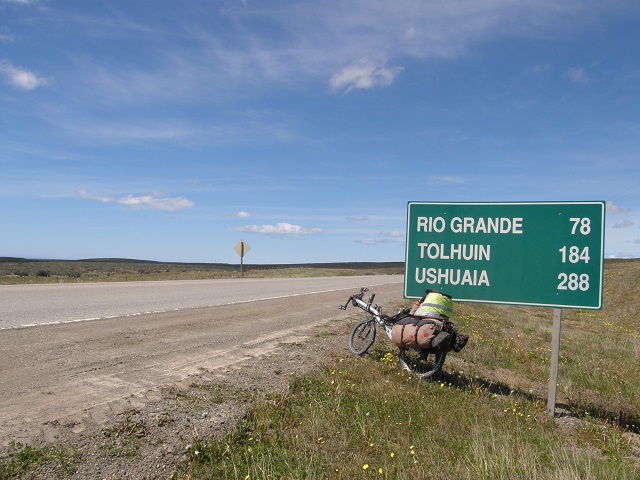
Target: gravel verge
<point>148,436</point>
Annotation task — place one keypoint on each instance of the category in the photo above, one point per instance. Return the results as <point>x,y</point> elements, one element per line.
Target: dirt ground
<point>175,416</point>
<point>158,384</point>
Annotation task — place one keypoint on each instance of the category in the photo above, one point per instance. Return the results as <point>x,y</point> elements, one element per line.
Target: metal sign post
<point>555,355</point>
<point>241,249</point>
<point>544,254</point>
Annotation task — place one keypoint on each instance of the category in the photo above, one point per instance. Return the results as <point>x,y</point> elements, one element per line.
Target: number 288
<point>573,282</point>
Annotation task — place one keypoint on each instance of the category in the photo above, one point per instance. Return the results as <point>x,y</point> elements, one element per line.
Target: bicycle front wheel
<point>421,363</point>
<point>362,337</point>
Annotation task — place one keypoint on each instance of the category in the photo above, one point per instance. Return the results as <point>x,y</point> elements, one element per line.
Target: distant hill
<point>21,270</point>
<point>116,260</point>
<point>357,265</point>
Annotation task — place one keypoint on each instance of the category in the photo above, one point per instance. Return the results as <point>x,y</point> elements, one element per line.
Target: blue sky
<point>170,130</point>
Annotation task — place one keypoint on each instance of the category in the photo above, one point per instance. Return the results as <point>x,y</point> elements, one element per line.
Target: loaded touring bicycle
<point>424,334</point>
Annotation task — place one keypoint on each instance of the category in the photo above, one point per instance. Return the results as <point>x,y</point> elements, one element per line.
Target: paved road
<point>28,305</point>
<point>67,375</point>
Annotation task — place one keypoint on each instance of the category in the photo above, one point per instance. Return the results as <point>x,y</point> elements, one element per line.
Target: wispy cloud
<point>372,241</point>
<point>578,75</point>
<point>5,36</point>
<point>265,127</point>
<point>152,202</point>
<point>20,78</point>
<point>242,214</point>
<point>284,230</point>
<point>363,74</point>
<point>623,224</point>
<point>388,237</point>
<point>21,2</point>
<point>447,179</point>
<point>142,131</point>
<point>343,42</point>
<point>541,68</point>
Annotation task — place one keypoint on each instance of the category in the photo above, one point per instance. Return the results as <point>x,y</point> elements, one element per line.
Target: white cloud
<point>612,208</point>
<point>98,198</point>
<point>153,202</point>
<point>242,214</point>
<point>363,74</point>
<point>20,78</point>
<point>279,230</point>
<point>157,203</point>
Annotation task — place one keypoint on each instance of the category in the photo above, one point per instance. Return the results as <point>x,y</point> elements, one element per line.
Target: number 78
<point>584,223</point>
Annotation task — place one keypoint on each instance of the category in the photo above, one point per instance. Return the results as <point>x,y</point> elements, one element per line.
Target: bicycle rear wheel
<point>421,363</point>
<point>362,337</point>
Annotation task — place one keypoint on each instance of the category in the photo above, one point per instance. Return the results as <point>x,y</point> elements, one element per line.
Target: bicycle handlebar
<point>353,298</point>
<point>356,301</point>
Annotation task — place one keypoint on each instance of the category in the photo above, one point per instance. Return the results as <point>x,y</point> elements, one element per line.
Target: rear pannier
<point>415,333</point>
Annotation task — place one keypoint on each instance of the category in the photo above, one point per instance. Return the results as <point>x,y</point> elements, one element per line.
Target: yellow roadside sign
<point>242,248</point>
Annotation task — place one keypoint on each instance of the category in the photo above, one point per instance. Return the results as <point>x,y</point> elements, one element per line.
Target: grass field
<point>487,419</point>
<point>367,419</point>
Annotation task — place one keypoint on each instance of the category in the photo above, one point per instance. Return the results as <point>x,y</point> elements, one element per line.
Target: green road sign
<point>540,253</point>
